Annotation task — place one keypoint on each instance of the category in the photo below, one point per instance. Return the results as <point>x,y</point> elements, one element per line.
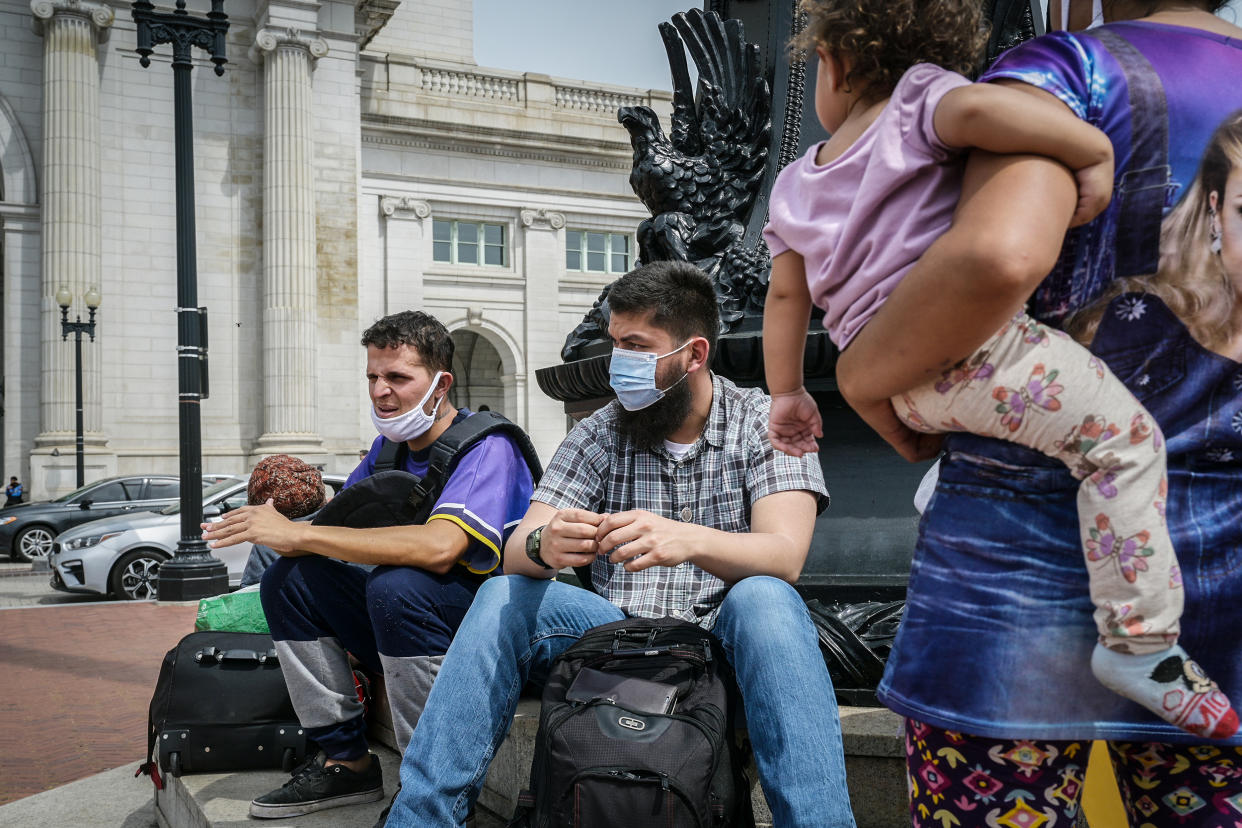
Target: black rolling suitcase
<point>220,704</point>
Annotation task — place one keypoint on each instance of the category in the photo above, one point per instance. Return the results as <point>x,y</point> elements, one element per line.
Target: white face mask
<point>412,424</point>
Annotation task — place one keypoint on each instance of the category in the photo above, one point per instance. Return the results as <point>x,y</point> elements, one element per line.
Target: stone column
<point>71,217</point>
<point>290,307</point>
<point>407,223</point>
<point>544,245</point>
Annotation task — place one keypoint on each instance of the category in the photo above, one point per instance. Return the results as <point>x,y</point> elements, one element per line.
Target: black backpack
<point>392,496</point>
<point>220,703</point>
<point>599,763</point>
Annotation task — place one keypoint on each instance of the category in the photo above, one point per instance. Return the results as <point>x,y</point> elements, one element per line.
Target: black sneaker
<point>316,786</point>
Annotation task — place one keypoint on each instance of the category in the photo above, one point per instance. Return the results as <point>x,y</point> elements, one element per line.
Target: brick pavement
<point>75,683</point>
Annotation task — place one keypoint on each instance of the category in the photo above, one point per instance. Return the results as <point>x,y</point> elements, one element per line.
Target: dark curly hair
<point>886,37</point>
<point>679,296</point>
<point>421,331</point>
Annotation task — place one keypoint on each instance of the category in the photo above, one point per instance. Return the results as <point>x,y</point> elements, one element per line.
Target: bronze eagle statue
<point>700,180</point>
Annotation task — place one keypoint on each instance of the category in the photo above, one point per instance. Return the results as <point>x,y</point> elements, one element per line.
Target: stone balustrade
<point>526,90</point>
<point>451,82</point>
<point>594,99</point>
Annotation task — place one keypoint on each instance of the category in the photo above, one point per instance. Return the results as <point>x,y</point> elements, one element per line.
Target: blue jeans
<point>517,627</point>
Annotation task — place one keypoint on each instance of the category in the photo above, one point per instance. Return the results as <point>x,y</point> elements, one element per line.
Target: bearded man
<point>676,500</point>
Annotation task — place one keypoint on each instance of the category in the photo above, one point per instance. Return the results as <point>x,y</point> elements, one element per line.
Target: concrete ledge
<point>874,761</point>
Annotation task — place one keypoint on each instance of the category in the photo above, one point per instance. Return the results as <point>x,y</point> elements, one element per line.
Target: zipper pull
<point>664,782</point>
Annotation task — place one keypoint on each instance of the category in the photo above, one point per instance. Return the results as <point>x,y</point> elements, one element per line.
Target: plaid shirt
<point>729,467</point>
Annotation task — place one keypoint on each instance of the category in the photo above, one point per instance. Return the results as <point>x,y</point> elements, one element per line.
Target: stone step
<point>875,768</point>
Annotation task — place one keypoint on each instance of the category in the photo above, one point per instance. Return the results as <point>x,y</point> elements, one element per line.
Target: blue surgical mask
<point>632,375</point>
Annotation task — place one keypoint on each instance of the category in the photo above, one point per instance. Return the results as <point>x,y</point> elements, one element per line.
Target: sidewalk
<point>75,684</point>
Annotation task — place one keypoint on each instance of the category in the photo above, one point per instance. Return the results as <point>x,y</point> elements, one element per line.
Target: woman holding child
<point>992,666</point>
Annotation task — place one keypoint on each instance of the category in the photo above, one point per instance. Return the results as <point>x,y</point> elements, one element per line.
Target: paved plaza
<point>76,678</point>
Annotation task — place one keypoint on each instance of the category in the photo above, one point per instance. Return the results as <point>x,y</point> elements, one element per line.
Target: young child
<point>850,218</point>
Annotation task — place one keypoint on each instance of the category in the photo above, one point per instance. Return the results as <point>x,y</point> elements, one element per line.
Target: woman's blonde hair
<point>1190,278</point>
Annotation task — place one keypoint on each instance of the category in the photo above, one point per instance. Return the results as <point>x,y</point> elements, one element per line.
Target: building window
<point>597,252</point>
<point>468,242</point>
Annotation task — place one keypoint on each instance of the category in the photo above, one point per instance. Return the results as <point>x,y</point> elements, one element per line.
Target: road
<point>19,587</point>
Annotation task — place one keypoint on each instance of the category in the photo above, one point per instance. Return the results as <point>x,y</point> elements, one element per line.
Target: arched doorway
<point>479,372</point>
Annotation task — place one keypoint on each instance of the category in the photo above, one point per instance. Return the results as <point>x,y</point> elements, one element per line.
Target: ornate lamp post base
<point>192,573</point>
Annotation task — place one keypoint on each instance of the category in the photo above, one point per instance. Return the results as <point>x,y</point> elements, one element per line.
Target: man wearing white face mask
<point>680,506</point>
<point>399,610</point>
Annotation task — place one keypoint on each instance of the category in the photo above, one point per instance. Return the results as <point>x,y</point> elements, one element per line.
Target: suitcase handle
<point>219,656</point>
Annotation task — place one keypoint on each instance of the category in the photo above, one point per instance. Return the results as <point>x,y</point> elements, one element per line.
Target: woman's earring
<point>1213,231</point>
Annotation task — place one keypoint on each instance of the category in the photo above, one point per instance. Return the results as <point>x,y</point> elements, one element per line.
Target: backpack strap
<point>458,438</point>
<point>391,455</point>
<point>449,448</point>
<point>1146,189</point>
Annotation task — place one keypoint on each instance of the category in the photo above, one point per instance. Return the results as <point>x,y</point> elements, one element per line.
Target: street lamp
<point>77,328</point>
<point>193,572</point>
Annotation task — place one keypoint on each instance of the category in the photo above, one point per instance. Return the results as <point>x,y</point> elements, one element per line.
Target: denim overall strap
<point>1146,188</point>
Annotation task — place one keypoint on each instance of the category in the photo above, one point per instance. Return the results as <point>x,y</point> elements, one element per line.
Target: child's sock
<point>1171,685</point>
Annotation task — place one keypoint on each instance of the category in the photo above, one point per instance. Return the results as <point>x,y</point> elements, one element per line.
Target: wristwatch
<point>532,546</point>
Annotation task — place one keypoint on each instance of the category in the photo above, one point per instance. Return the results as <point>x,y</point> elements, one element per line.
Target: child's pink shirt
<point>863,219</point>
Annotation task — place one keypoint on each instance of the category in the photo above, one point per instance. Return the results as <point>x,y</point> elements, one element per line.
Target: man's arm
<point>1005,238</point>
<point>568,539</point>
<point>434,546</point>
<point>777,545</point>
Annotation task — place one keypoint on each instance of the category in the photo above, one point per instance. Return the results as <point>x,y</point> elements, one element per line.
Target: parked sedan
<point>27,529</point>
<point>121,556</point>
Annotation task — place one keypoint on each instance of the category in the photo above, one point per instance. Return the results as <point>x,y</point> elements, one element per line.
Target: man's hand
<point>640,540</point>
<point>569,538</point>
<point>794,423</point>
<point>910,444</point>
<point>1095,189</point>
<point>257,524</point>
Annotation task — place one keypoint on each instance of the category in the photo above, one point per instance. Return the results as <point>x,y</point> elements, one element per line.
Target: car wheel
<point>33,542</point>
<point>134,578</point>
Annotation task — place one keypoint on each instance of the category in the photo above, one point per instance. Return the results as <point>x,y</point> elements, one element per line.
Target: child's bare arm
<point>794,421</point>
<point>1016,118</point>
<point>786,314</point>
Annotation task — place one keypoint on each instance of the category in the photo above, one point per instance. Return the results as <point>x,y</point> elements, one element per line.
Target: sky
<point>596,40</point>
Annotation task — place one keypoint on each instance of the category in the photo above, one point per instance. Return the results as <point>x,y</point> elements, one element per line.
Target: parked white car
<point>121,556</point>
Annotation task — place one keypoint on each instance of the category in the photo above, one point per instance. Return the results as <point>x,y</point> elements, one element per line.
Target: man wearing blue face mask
<point>675,499</point>
<point>398,611</point>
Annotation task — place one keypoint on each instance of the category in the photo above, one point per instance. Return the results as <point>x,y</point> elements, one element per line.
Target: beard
<point>649,427</point>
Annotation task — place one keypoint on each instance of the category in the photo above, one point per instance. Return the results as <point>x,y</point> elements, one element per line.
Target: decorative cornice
<point>269,39</point>
<point>403,207</point>
<point>456,137</point>
<point>542,219</point>
<point>370,16</point>
<point>100,16</point>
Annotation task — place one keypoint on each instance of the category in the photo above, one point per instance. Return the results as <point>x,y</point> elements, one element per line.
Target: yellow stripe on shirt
<point>474,533</point>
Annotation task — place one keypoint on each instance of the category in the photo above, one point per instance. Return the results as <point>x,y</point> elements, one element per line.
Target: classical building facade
<point>352,161</point>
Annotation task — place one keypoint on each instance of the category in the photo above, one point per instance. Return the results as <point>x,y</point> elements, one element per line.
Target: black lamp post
<point>77,328</point>
<point>193,571</point>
